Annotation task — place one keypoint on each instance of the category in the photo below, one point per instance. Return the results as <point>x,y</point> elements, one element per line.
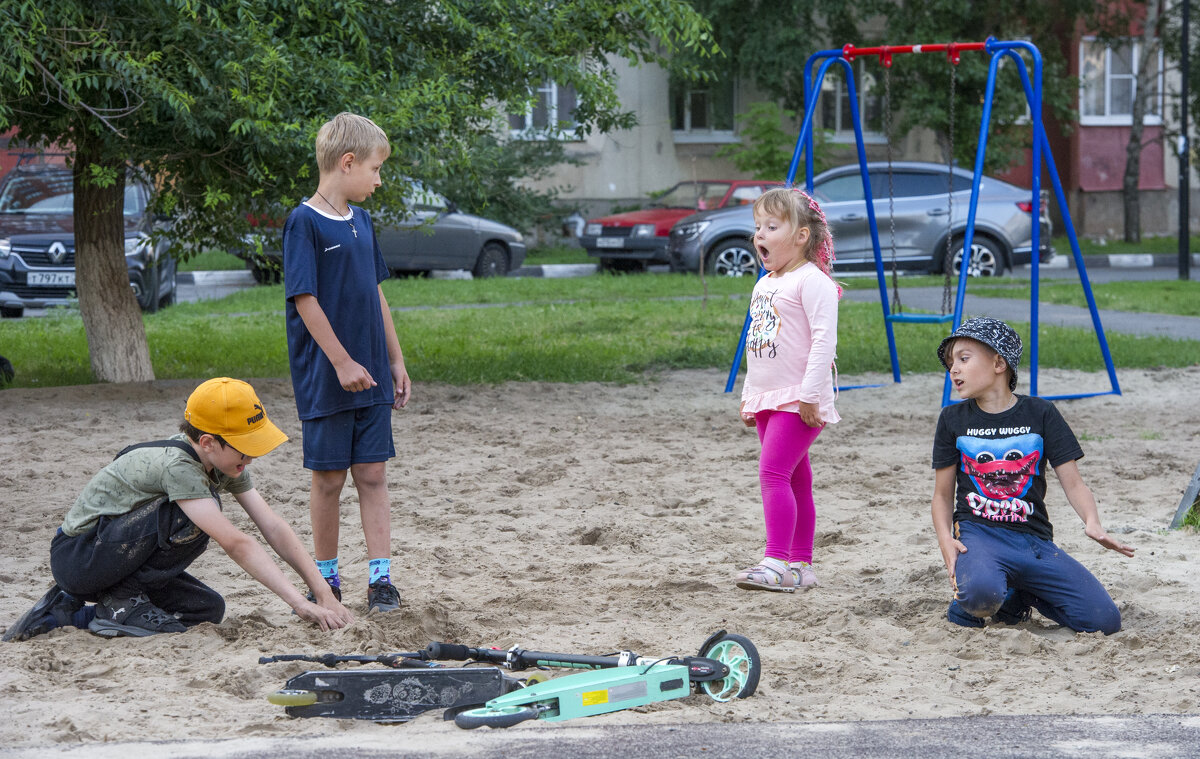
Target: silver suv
<point>37,242</point>
<point>920,210</point>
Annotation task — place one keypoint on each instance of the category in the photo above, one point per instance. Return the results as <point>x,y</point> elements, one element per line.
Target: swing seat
<point>920,318</point>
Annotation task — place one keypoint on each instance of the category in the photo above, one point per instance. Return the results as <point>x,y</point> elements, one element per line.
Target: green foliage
<point>766,148</point>
<point>497,185</point>
<point>220,100</point>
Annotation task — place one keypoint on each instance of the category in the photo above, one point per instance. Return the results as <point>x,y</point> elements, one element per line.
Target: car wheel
<point>11,312</point>
<point>732,258</point>
<point>492,261</point>
<point>147,293</point>
<point>622,264</point>
<point>987,260</point>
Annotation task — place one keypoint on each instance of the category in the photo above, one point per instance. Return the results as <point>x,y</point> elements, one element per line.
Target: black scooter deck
<point>396,695</point>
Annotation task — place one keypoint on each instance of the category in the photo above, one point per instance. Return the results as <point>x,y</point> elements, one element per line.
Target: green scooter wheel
<point>293,698</point>
<point>505,716</point>
<point>740,655</point>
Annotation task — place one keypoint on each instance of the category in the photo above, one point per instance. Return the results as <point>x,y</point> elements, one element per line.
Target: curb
<point>215,278</point>
<point>1121,261</point>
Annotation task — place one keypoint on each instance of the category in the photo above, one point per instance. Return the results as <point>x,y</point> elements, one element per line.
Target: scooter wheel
<point>505,716</point>
<point>293,697</point>
<point>740,655</point>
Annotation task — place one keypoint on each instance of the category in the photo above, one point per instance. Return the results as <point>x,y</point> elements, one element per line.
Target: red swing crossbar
<point>885,52</point>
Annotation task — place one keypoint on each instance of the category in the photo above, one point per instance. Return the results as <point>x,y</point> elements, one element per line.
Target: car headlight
<point>5,248</point>
<point>517,237</point>
<point>691,231</point>
<point>595,230</point>
<point>643,230</point>
<point>135,244</point>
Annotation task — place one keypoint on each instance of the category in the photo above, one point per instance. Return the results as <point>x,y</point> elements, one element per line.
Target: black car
<point>37,242</point>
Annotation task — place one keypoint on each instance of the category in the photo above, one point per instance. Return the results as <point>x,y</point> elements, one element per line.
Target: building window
<point>552,115</point>
<point>1108,77</point>
<point>702,111</point>
<point>834,105</point>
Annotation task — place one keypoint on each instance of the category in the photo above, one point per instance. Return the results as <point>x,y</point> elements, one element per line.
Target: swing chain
<point>887,137</point>
<point>947,266</point>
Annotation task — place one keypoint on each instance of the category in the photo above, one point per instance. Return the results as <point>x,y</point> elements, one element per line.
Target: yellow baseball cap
<point>229,408</point>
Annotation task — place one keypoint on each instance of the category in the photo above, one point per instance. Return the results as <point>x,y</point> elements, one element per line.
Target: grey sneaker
<point>135,617</point>
<point>52,610</point>
<point>337,593</point>
<point>382,596</point>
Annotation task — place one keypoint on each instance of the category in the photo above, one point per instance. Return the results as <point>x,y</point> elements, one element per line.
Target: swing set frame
<point>1041,157</point>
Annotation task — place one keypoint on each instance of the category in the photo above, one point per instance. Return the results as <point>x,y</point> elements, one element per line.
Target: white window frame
<point>687,134</point>
<point>836,88</point>
<point>550,90</point>
<point>1117,119</point>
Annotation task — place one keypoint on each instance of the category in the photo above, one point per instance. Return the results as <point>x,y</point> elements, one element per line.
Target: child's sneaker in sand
<point>803,576</point>
<point>337,592</point>
<point>134,616</point>
<point>55,609</point>
<point>382,596</point>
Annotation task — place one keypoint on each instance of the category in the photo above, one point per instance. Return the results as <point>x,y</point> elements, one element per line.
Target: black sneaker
<point>135,617</point>
<point>1014,610</point>
<point>52,610</point>
<point>382,596</point>
<point>337,593</point>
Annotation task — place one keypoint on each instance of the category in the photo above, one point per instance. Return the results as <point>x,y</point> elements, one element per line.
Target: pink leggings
<point>786,479</point>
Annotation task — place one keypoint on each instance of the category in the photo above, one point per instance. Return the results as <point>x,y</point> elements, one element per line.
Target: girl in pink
<point>789,392</point>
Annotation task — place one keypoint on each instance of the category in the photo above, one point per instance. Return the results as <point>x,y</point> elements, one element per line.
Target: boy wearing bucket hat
<point>989,510</point>
<point>140,522</point>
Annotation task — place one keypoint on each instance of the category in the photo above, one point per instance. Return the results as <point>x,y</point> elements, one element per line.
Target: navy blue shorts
<point>1016,571</point>
<point>358,436</point>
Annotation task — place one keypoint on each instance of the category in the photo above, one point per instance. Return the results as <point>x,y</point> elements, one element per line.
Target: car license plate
<point>610,242</point>
<point>51,278</point>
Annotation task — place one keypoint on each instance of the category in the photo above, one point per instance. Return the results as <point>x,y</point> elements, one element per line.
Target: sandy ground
<point>589,518</point>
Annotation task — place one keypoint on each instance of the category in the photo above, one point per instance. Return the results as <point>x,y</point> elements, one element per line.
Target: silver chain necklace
<point>347,219</point>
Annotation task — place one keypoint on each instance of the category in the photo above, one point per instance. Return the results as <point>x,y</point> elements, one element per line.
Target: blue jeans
<point>1008,571</point>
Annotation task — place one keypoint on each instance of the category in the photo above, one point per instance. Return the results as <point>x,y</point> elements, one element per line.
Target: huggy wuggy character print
<point>1002,471</point>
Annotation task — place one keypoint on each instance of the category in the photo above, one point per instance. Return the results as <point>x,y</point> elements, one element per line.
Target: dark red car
<point>634,239</point>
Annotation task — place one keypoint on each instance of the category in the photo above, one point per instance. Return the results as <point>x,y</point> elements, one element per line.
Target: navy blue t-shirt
<point>1000,461</point>
<point>323,257</point>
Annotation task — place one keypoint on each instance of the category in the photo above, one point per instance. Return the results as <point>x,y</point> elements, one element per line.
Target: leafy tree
<point>219,100</point>
<point>767,147</point>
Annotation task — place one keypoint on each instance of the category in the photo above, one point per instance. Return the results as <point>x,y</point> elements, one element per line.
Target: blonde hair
<point>798,208</point>
<point>349,133</point>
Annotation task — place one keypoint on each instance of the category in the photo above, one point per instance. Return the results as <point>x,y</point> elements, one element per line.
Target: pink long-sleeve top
<point>792,342</point>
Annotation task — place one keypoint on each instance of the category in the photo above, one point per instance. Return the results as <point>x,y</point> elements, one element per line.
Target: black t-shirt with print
<point>1000,461</point>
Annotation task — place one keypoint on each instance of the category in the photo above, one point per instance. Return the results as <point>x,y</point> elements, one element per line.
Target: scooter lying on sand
<point>726,668</point>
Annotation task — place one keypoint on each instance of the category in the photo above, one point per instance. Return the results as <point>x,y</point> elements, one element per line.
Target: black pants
<point>144,551</point>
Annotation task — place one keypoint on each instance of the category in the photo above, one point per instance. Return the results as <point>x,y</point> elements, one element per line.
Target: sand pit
<point>590,518</point>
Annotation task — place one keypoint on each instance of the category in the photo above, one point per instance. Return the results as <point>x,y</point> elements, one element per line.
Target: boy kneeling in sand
<point>146,516</point>
<point>994,534</point>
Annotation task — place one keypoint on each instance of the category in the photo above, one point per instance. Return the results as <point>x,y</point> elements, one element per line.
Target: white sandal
<point>763,577</point>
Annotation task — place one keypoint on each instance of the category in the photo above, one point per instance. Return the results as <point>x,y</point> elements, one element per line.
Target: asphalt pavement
<point>1152,736</point>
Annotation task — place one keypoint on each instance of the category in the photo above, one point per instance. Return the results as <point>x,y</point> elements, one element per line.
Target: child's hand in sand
<point>333,617</point>
<point>950,551</point>
<point>1097,533</point>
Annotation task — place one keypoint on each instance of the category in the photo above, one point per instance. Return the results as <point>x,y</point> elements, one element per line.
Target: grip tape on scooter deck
<point>396,695</point>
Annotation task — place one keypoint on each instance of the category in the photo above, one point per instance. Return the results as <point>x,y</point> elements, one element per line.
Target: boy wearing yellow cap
<point>140,522</point>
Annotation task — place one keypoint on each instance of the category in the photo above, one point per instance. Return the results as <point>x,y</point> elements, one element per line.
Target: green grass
<point>1171,296</point>
<point>601,328</point>
<point>212,260</point>
<point>557,254</point>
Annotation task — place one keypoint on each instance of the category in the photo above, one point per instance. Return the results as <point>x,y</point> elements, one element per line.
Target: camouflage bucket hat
<point>993,333</point>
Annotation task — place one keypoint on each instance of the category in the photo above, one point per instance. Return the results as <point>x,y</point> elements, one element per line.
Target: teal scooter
<point>727,668</point>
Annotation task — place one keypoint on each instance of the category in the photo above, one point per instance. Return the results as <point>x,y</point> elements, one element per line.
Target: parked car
<point>918,207</point>
<point>434,235</point>
<point>633,239</point>
<point>37,241</point>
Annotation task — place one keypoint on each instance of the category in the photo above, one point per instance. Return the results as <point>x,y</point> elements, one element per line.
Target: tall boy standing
<point>994,533</point>
<point>347,368</point>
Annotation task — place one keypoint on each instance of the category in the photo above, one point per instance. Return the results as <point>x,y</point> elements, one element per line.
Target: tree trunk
<point>1143,88</point>
<point>112,319</point>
